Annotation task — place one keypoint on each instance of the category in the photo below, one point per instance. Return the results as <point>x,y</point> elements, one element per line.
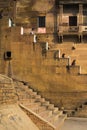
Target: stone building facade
<point>25,25</point>
<point>63,21</point>
<point>56,20</point>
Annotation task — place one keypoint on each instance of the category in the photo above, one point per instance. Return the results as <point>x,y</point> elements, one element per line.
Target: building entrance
<point>72,20</point>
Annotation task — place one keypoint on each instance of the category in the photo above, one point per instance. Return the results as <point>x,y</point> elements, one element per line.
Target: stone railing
<point>41,123</point>
<point>70,28</point>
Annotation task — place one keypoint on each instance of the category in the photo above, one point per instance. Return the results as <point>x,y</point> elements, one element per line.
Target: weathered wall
<point>7,91</point>
<point>28,12</point>
<point>44,73</point>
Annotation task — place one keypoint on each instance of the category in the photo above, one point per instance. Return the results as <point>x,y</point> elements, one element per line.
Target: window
<point>7,55</point>
<point>41,21</point>
<point>56,2</point>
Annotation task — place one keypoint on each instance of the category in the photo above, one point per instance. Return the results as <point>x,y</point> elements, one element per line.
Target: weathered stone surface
<point>13,118</point>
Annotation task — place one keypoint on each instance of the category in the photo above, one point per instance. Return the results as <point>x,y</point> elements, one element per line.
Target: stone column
<point>60,17</point>
<point>80,22</point>
<point>60,23</point>
<point>14,11</point>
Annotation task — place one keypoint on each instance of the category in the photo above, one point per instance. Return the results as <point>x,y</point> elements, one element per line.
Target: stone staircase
<point>80,111</point>
<point>74,51</point>
<point>59,64</point>
<point>44,109</point>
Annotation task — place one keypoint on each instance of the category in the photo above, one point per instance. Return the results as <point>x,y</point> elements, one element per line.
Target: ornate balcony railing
<point>73,28</point>
<point>69,29</point>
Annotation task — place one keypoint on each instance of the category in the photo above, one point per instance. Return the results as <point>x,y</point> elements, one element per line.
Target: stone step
<point>33,95</point>
<point>39,109</point>
<point>53,118</point>
<point>24,93</point>
<point>58,123</point>
<point>7,89</point>
<point>45,114</point>
<point>32,105</point>
<point>50,106</point>
<point>25,97</point>
<point>39,99</point>
<point>59,112</point>
<point>46,103</point>
<point>26,89</point>
<point>30,98</point>
<point>8,95</point>
<point>30,90</point>
<point>18,90</point>
<point>27,100</point>
<point>9,101</point>
<point>55,110</point>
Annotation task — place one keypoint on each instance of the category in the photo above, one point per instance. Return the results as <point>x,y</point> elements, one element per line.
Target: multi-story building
<point>63,21</point>
<point>72,21</point>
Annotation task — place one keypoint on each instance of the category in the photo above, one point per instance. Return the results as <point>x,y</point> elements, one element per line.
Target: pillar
<point>14,11</point>
<point>80,38</point>
<point>80,21</point>
<point>60,21</point>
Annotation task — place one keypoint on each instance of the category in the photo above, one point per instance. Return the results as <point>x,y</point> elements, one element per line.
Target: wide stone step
<point>39,109</point>
<point>32,105</point>
<point>27,101</point>
<point>46,103</point>
<point>28,95</point>
<point>7,89</point>
<point>45,114</point>
<point>60,121</point>
<point>33,93</point>
<point>24,95</point>
<point>8,101</point>
<point>39,99</point>
<point>30,90</point>
<point>21,97</point>
<point>53,118</point>
<point>8,96</point>
<point>26,89</point>
<point>55,110</point>
<point>50,106</point>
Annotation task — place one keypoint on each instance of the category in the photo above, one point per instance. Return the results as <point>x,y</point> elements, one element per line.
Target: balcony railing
<point>69,29</point>
<point>73,28</point>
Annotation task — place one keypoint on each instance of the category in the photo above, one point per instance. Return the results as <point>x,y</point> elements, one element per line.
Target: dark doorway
<point>72,20</point>
<point>8,53</point>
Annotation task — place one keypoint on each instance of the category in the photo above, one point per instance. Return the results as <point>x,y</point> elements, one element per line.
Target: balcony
<point>68,29</point>
<point>73,29</point>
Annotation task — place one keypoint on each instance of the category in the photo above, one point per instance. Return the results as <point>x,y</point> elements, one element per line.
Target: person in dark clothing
<point>1,15</point>
<point>73,63</point>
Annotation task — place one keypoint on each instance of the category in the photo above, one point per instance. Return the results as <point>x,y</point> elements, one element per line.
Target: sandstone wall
<point>28,12</point>
<point>7,91</point>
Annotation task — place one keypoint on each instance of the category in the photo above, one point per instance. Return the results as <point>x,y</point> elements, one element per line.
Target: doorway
<point>72,20</point>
